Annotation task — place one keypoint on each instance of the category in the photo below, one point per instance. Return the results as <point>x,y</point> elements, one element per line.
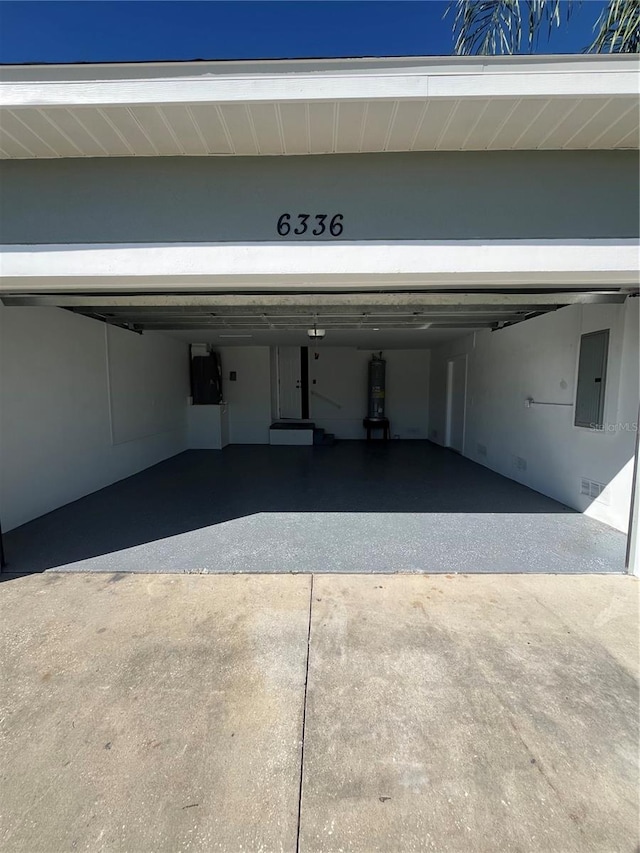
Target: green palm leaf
<point>496,26</point>
<point>618,28</point>
<point>502,26</point>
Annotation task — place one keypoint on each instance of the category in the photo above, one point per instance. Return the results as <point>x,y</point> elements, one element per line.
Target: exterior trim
<point>468,263</point>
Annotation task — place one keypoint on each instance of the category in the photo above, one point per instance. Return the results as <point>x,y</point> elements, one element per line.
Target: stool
<point>377,423</point>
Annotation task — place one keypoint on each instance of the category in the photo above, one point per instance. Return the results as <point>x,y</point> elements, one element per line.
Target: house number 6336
<point>310,223</point>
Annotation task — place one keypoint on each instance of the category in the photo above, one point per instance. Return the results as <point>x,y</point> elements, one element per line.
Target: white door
<point>289,394</point>
<point>456,400</point>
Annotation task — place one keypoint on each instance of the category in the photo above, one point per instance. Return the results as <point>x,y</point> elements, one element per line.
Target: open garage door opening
<point>418,432</point>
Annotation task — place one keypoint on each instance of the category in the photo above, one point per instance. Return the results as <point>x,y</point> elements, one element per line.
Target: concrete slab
<point>456,714</point>
<point>158,713</point>
<point>462,714</point>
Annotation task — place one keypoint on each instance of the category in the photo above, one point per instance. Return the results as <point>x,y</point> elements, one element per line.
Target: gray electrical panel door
<point>592,370</point>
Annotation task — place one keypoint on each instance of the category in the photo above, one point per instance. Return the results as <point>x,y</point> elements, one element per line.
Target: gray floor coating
<point>355,507</point>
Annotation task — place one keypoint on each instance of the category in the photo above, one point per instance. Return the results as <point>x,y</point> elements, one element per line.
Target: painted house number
<point>299,224</point>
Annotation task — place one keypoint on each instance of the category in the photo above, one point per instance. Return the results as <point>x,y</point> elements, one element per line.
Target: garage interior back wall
<point>337,391</point>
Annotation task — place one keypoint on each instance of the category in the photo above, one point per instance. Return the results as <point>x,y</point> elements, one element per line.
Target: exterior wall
<point>340,375</point>
<point>82,405</point>
<point>539,358</point>
<point>436,196</point>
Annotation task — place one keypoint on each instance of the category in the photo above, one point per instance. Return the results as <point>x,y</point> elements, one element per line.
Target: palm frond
<point>496,26</point>
<point>487,26</point>
<point>618,28</point>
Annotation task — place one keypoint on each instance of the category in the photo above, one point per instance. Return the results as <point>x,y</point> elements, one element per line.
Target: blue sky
<point>96,31</point>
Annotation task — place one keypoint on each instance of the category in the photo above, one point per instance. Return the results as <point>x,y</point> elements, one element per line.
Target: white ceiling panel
<point>70,125</point>
<point>520,119</point>
<point>377,125</point>
<point>295,128</point>
<point>18,128</point>
<point>46,129</point>
<point>211,133</point>
<point>491,123</point>
<point>601,115</point>
<point>406,121</point>
<point>235,118</point>
<point>321,126</point>
<point>554,116</point>
<point>267,128</point>
<point>631,140</point>
<point>102,128</point>
<point>571,123</point>
<point>155,128</point>
<point>351,118</point>
<point>122,119</point>
<point>434,124</point>
<point>462,124</point>
<point>11,149</point>
<point>568,129</point>
<point>622,132</point>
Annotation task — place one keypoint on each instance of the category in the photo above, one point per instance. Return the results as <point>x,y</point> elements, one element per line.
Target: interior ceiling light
<point>235,336</point>
<point>316,334</point>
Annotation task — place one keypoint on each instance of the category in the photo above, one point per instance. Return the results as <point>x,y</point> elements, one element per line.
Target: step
<point>328,440</point>
<point>287,425</point>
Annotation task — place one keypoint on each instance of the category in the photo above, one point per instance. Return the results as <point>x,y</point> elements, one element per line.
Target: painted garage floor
<point>356,507</point>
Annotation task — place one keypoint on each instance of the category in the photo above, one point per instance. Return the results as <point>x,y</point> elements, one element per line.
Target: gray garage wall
<point>418,196</point>
<point>540,446</point>
<point>83,404</point>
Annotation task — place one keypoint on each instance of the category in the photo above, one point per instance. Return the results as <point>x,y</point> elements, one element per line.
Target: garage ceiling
<point>370,320</point>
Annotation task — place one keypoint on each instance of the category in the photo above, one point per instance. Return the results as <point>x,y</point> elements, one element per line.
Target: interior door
<point>289,384</point>
<point>456,402</point>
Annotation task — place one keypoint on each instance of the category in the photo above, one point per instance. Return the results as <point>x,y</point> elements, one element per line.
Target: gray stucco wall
<point>416,196</point>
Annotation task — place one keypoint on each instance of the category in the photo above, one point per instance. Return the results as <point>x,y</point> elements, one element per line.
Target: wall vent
<point>482,449</point>
<point>594,490</point>
<point>519,463</point>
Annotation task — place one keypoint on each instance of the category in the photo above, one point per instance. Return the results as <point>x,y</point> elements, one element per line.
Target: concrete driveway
<point>319,713</point>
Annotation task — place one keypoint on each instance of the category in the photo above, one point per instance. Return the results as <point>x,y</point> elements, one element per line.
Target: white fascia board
<point>227,265</point>
<point>322,86</point>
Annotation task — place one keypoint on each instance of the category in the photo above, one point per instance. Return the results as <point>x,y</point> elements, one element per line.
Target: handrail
<point>326,399</point>
<point>531,402</point>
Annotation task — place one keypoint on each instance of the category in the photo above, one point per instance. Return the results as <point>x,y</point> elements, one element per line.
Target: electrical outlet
<point>434,433</point>
<point>482,449</point>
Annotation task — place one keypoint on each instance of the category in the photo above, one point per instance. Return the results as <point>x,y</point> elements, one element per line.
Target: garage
<point>208,267</point>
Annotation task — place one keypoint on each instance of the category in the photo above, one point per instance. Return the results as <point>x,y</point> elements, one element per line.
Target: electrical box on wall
<point>206,376</point>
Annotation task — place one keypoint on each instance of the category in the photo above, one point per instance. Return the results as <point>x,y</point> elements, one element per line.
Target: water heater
<point>377,367</point>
